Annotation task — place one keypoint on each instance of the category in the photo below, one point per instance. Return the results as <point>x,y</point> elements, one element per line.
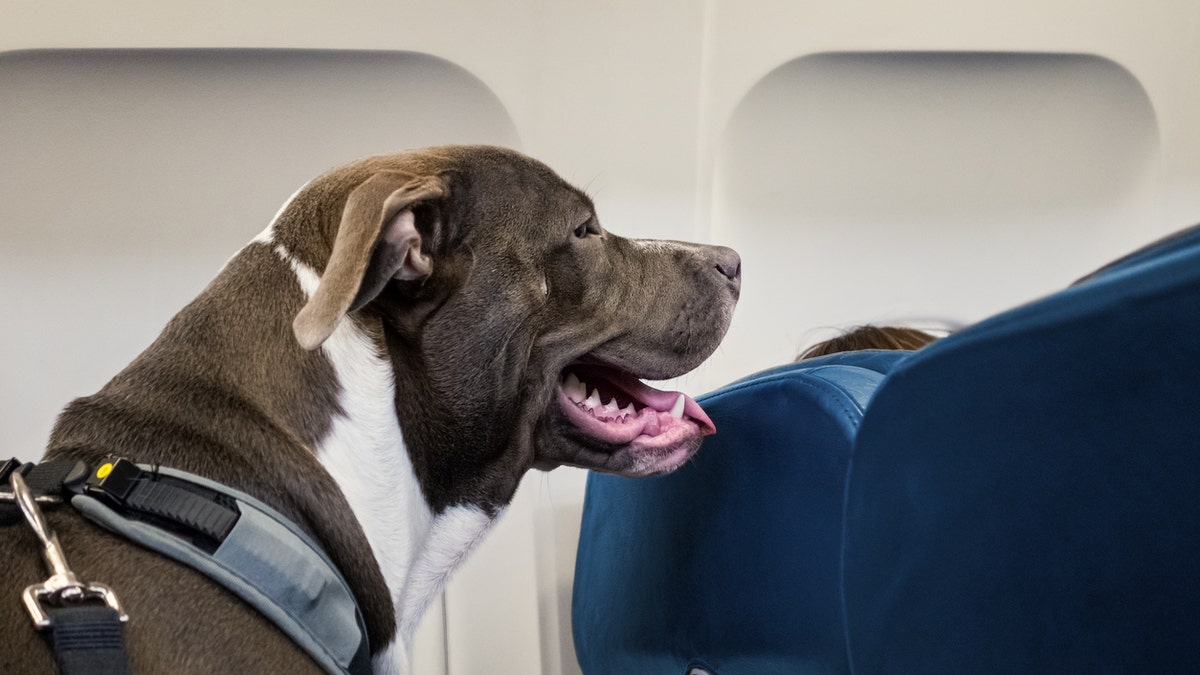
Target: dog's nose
<point>728,263</point>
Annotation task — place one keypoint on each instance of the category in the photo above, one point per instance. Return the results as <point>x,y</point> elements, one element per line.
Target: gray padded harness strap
<point>268,562</point>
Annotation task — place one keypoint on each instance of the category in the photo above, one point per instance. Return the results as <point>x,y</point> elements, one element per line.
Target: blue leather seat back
<point>732,562</point>
<point>1025,495</point>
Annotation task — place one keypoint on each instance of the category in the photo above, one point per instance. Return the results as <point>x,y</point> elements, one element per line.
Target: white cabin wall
<point>652,107</point>
<point>935,215</point>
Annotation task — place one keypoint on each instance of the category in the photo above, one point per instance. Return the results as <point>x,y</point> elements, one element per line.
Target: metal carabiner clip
<point>63,585</point>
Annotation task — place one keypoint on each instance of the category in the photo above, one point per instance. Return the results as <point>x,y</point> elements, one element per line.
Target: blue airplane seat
<point>1024,496</point>
<point>731,563</point>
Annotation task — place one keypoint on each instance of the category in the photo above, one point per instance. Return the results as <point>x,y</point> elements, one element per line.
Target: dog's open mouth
<point>613,406</point>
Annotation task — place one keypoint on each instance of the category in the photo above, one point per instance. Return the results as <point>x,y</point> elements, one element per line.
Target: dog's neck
<point>364,451</point>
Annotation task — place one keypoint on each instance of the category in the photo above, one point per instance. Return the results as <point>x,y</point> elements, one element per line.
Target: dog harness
<point>241,543</point>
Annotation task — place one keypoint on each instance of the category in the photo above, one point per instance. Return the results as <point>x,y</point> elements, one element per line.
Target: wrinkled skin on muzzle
<point>520,329</point>
<point>649,310</point>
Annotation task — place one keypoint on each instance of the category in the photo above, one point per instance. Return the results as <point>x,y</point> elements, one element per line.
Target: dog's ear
<point>377,240</point>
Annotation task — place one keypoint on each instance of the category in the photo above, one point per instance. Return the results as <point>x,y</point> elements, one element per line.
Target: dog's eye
<point>588,229</point>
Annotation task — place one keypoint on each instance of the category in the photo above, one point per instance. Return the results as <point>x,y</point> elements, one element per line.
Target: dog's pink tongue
<point>668,416</point>
<point>665,401</point>
<point>649,423</point>
<point>664,415</point>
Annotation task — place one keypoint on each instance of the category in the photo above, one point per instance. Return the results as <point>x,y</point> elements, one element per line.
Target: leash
<point>231,537</point>
<point>87,638</point>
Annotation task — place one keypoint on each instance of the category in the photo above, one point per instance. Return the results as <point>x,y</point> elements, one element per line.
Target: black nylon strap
<point>47,478</point>
<point>182,506</point>
<point>88,640</point>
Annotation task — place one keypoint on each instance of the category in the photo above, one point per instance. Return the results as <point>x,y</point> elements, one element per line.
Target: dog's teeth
<point>576,390</point>
<point>611,406</point>
<point>677,410</point>
<point>629,411</point>
<point>593,401</point>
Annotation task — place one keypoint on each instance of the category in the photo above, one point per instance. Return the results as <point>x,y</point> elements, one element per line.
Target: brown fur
<point>228,393</point>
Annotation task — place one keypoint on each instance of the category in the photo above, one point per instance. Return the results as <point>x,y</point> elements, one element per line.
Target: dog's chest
<point>364,452</point>
<point>364,449</point>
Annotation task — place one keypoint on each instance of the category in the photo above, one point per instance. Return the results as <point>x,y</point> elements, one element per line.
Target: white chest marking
<point>453,534</point>
<point>364,452</point>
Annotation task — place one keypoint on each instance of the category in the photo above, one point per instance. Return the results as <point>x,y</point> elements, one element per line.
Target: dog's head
<point>518,327</point>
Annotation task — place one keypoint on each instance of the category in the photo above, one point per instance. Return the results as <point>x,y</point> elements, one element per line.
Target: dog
<point>409,336</point>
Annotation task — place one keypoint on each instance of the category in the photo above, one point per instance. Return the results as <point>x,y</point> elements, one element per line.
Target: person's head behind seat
<point>870,337</point>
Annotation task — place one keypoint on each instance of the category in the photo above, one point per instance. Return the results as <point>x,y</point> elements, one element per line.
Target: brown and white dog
<point>465,295</point>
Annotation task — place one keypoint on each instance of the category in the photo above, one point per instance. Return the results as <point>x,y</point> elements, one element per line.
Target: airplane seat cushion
<point>731,562</point>
<point>1023,494</point>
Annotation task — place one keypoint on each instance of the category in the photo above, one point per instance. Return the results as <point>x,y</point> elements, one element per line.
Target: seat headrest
<point>1023,494</point>
<point>730,563</point>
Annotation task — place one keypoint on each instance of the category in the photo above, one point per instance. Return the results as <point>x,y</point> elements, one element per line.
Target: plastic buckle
<point>114,480</point>
<point>63,585</point>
